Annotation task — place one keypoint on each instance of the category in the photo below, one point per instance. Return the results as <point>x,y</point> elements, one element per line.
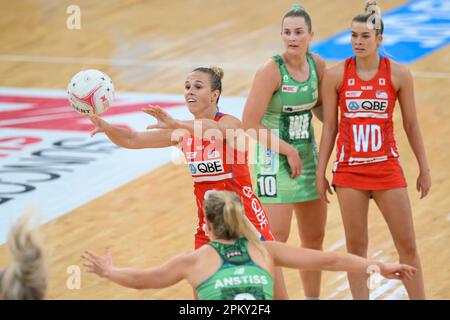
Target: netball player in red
<point>215,163</point>
<point>365,88</point>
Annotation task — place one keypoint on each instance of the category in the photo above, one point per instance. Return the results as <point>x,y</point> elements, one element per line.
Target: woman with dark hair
<point>284,95</point>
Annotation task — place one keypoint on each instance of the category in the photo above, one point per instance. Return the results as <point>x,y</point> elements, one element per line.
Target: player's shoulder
<point>318,60</point>
<point>336,72</point>
<point>399,70</point>
<point>229,120</point>
<point>269,69</point>
<point>204,252</point>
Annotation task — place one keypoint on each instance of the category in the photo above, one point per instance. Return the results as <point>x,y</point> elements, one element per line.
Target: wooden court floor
<point>150,46</point>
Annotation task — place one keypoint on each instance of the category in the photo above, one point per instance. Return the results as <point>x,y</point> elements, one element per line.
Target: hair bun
<point>218,71</point>
<point>297,7</point>
<point>371,7</point>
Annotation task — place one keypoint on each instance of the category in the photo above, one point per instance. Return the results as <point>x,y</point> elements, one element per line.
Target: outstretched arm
<point>135,140</point>
<point>165,275</point>
<point>308,259</point>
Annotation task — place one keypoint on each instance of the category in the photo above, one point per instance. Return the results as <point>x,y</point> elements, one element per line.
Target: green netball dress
<point>238,278</point>
<point>289,117</point>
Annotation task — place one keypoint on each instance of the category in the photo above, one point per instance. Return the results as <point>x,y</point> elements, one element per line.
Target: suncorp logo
<point>367,105</point>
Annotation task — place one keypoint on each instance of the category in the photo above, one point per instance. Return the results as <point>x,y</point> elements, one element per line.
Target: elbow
<point>247,124</point>
<point>330,127</point>
<point>138,286</point>
<point>131,142</point>
<point>409,127</point>
<point>250,128</point>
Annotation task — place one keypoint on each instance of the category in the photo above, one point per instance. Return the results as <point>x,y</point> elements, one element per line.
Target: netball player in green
<point>236,264</point>
<point>280,105</point>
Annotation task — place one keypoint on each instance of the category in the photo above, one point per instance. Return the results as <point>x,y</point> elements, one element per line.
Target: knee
<point>357,247</point>
<point>313,241</point>
<point>407,250</point>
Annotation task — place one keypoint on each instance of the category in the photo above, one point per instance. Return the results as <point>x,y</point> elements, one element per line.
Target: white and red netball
<point>90,92</point>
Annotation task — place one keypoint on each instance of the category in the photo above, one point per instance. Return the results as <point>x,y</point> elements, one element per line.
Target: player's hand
<point>323,186</point>
<point>397,271</point>
<point>423,184</point>
<point>165,121</point>
<point>99,123</point>
<point>100,265</point>
<point>295,163</point>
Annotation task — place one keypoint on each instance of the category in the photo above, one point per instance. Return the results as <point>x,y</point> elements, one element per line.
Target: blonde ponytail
<point>26,277</point>
<point>225,212</point>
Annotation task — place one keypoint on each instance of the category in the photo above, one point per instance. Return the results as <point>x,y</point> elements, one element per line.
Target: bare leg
<point>354,206</point>
<point>396,209</point>
<point>279,216</point>
<point>311,220</point>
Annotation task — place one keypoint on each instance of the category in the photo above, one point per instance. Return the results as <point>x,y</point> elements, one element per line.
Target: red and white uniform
<point>215,165</point>
<point>367,155</point>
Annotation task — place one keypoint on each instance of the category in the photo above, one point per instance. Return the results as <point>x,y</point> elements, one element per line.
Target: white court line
<point>387,285</point>
<point>165,63</point>
<point>398,294</point>
<point>336,245</point>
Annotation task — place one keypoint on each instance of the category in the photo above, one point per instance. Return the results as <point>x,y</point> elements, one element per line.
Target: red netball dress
<point>214,165</point>
<point>367,155</point>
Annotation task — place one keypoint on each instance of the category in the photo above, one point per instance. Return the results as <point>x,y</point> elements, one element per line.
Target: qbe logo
<point>206,167</point>
<point>367,105</point>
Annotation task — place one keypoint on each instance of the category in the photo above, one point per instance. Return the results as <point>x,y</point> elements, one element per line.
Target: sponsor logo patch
<point>206,167</point>
<point>302,107</point>
<point>381,95</point>
<point>355,105</point>
<point>353,94</point>
<point>289,89</point>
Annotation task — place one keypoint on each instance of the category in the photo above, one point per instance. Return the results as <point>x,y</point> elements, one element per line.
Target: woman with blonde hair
<point>215,160</point>
<point>235,264</point>
<point>26,277</point>
<point>364,90</point>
